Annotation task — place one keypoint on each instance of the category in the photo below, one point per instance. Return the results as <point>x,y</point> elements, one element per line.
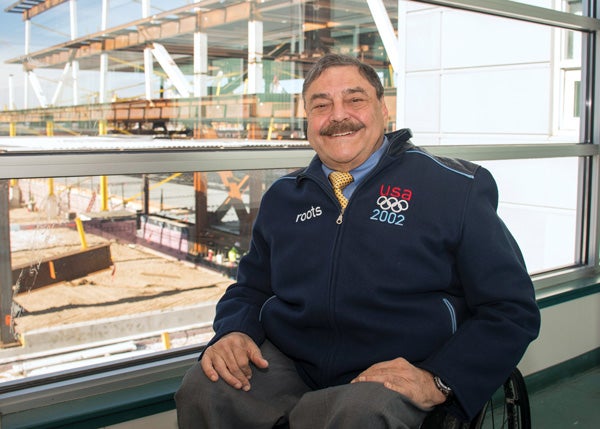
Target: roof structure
<point>283,21</point>
<point>26,6</point>
<point>174,94</point>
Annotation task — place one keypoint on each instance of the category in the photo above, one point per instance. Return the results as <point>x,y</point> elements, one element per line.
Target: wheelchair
<point>507,409</point>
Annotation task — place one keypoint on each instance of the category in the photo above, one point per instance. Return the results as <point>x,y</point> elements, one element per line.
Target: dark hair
<point>337,60</point>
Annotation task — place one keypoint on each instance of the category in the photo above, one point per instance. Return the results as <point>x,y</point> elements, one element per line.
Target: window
<point>131,264</point>
<point>168,199</point>
<point>540,209</point>
<point>146,255</point>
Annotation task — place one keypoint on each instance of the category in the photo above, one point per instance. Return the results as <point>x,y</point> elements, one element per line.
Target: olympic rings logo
<point>392,203</point>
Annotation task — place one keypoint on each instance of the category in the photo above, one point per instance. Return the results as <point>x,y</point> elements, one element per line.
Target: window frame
<point>22,399</point>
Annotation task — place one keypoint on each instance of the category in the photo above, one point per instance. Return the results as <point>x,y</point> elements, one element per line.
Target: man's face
<point>346,120</point>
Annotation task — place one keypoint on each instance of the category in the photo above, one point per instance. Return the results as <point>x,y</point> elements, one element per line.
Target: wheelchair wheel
<point>508,408</point>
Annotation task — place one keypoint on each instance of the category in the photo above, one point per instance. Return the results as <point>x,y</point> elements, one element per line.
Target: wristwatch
<point>442,387</point>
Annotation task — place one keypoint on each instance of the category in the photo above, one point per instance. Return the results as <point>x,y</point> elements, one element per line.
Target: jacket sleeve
<point>479,357</point>
<point>238,310</point>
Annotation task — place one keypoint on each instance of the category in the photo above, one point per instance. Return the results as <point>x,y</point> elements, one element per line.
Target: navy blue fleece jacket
<point>421,267</point>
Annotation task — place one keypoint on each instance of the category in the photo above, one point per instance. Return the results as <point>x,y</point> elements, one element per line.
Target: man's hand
<point>399,375</point>
<point>230,358</point>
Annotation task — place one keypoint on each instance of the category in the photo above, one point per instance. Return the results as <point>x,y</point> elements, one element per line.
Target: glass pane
<point>469,78</point>
<point>477,79</point>
<point>123,265</point>
<point>539,204</point>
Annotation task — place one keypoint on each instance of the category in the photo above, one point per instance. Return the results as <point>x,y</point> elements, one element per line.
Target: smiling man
<point>346,116</point>
<point>380,283</point>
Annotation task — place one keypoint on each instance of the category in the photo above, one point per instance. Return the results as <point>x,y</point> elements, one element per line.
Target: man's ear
<point>384,109</point>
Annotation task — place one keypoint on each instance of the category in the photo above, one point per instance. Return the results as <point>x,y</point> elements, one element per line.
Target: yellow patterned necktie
<point>339,180</point>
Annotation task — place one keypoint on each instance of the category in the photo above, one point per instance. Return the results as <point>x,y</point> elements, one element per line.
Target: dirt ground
<point>140,280</point>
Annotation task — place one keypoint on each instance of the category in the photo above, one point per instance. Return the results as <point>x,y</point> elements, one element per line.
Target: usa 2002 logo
<point>392,202</point>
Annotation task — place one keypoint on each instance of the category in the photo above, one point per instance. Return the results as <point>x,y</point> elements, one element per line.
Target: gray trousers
<point>280,399</point>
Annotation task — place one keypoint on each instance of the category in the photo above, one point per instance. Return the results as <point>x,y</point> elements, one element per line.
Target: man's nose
<point>338,112</point>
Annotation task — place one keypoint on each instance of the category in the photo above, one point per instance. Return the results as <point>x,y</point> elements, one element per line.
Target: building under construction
<point>203,69</point>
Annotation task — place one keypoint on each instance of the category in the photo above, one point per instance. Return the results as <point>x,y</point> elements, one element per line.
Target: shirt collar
<point>362,170</point>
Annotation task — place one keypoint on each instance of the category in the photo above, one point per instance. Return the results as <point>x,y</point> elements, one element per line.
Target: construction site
<point>100,260</point>
<point>207,69</point>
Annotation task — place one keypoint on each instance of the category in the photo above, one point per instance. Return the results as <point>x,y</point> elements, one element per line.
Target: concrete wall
<point>568,330</point>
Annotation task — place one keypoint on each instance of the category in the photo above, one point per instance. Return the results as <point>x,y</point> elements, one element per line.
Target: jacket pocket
<point>451,313</point>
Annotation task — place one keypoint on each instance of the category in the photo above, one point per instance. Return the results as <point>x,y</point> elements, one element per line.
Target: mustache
<point>340,128</point>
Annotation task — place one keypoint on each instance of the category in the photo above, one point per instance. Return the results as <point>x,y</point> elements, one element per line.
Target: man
<point>369,311</point>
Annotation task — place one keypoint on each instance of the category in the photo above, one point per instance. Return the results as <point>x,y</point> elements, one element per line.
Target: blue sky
<point>52,27</point>
<point>47,29</point>
<point>11,30</point>
<point>12,36</point>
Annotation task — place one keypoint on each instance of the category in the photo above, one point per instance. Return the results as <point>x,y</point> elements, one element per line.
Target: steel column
<point>200,63</point>
<point>103,55</point>
<point>74,63</point>
<point>6,293</point>
<point>255,53</point>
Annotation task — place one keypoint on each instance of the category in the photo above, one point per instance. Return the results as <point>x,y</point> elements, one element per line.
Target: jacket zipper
<point>329,192</point>
<point>327,365</point>
<point>340,218</point>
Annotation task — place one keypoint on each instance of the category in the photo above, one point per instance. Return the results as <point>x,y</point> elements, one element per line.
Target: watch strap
<point>442,387</point>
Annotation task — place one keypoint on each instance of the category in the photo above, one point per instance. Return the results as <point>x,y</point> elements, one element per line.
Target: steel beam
<point>31,8</point>
<point>172,70</point>
<point>37,88</point>
<point>69,266</point>
<point>387,34</point>
<point>61,82</point>
<point>135,35</point>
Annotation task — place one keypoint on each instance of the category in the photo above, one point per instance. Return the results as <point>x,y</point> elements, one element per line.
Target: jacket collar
<point>399,142</point>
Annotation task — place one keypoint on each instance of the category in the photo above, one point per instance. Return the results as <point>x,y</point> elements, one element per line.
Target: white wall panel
<point>504,100</point>
<point>541,3</point>
<point>506,138</point>
<point>471,40</point>
<point>539,206</point>
<point>546,236</point>
<point>543,182</point>
<point>422,109</point>
<point>568,330</point>
<point>423,41</point>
